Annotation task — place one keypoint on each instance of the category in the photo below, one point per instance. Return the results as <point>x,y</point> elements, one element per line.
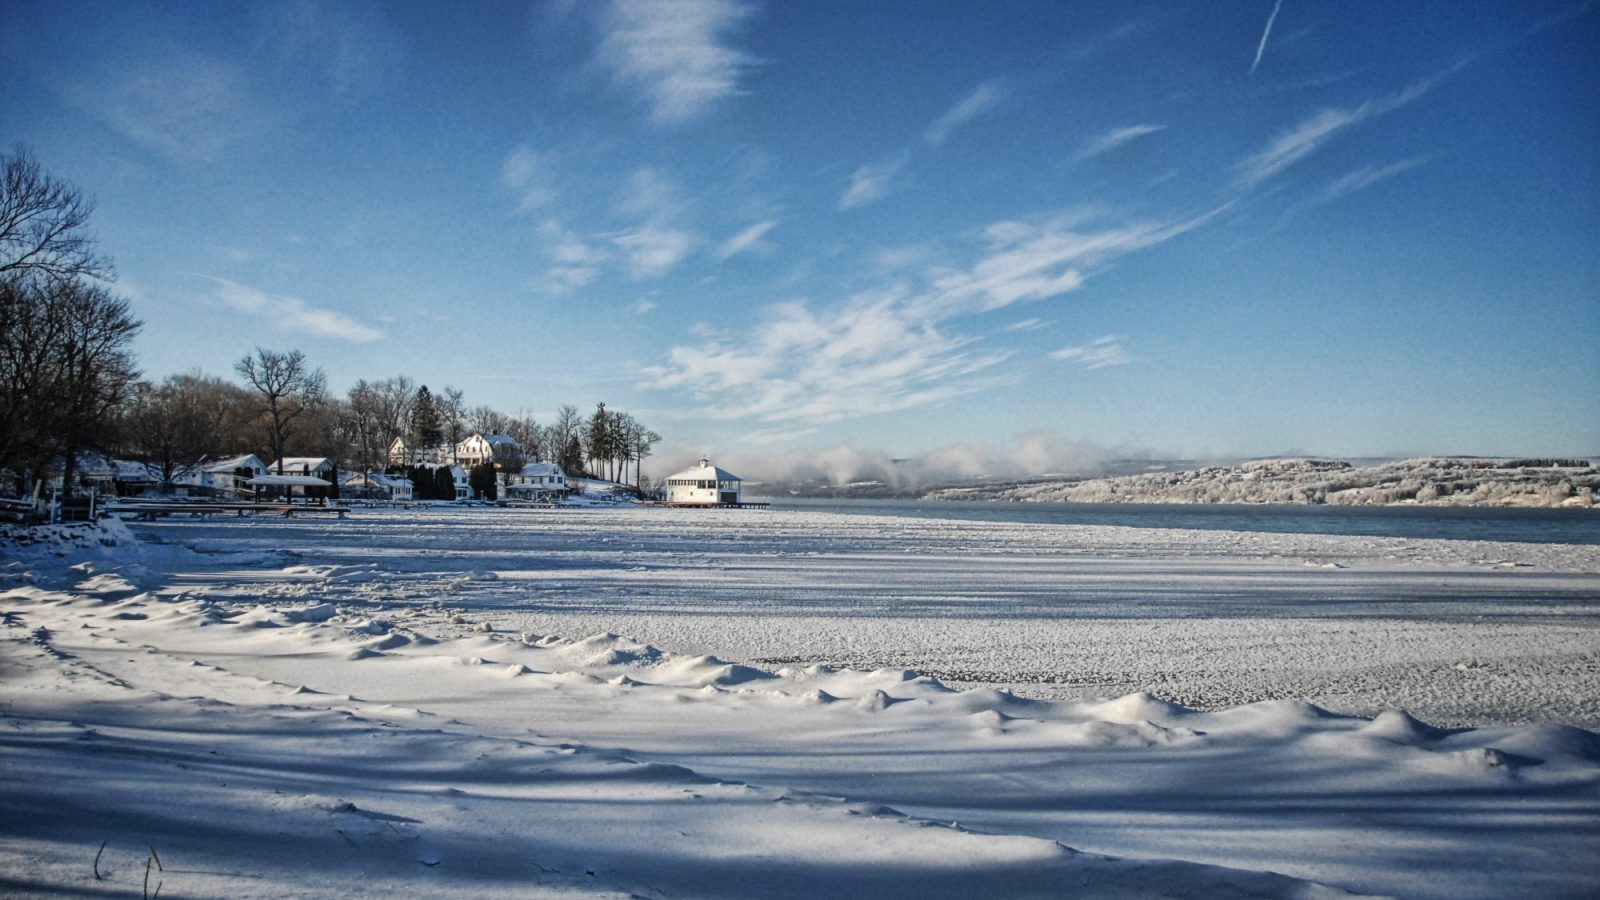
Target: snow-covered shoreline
<point>363,707</point>
<point>1445,481</point>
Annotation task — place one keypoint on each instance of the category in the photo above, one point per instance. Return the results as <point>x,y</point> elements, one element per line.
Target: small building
<point>318,467</point>
<point>379,486</point>
<point>538,481</point>
<point>230,476</point>
<point>132,477</point>
<point>704,485</point>
<point>403,454</point>
<point>480,448</point>
<point>315,466</point>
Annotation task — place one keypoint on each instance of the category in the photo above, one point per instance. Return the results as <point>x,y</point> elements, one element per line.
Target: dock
<point>151,511</point>
<point>739,505</point>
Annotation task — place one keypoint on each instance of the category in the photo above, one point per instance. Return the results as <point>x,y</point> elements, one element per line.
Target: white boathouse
<point>703,485</point>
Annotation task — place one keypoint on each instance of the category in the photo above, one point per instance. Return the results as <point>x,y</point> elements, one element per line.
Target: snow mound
<point>1553,742</point>
<point>874,701</point>
<point>1400,727</point>
<point>321,612</point>
<point>1135,735</point>
<point>1140,706</point>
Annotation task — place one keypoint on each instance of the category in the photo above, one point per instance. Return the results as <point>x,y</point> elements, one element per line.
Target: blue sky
<point>1007,236</point>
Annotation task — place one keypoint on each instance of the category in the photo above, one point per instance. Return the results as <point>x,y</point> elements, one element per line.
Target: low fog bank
<point>846,471</point>
<point>1470,481</point>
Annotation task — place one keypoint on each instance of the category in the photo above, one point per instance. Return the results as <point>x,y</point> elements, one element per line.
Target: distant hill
<point>1452,481</point>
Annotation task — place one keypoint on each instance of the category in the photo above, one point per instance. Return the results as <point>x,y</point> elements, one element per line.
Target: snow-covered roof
<point>540,470</point>
<point>133,470</point>
<point>493,440</point>
<point>248,460</point>
<point>301,462</point>
<point>705,472</point>
<point>377,479</point>
<point>288,481</point>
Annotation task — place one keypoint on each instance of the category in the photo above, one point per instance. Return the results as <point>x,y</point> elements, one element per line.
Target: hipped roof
<point>705,472</point>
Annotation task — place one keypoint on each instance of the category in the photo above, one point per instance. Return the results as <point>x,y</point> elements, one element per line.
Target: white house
<point>230,476</point>
<point>96,471</point>
<point>380,486</point>
<point>304,467</point>
<point>703,485</point>
<point>480,448</point>
<point>315,466</point>
<point>539,480</point>
<point>403,454</point>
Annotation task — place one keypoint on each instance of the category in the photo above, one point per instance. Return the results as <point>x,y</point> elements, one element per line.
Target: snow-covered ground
<point>429,701</point>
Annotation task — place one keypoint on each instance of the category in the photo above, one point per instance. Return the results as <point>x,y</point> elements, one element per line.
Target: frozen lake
<point>434,701</point>
<point>1470,523</point>
<point>1458,632</point>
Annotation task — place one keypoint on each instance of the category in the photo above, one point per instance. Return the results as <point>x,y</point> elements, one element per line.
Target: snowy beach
<point>652,702</point>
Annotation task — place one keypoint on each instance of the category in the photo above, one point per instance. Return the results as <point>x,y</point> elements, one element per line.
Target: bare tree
<point>392,400</point>
<point>486,420</point>
<point>64,362</point>
<point>640,440</point>
<point>528,435</point>
<point>42,224</point>
<point>363,426</point>
<point>65,367</point>
<point>452,414</point>
<point>286,387</point>
<point>563,440</point>
<point>182,419</point>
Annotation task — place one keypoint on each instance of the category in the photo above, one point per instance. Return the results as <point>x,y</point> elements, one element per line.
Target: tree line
<point>69,383</point>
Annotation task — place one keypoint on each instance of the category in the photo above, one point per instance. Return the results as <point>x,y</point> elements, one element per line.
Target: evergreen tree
<point>482,481</point>
<point>427,428</point>
<point>570,459</point>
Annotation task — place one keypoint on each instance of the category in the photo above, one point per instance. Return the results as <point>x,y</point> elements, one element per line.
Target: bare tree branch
<point>43,222</point>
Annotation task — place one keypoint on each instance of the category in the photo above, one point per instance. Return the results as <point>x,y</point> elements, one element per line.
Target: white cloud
<point>1300,141</point>
<point>982,99</point>
<point>525,171</point>
<point>1028,262</point>
<point>292,313</point>
<point>1365,177</point>
<point>771,436</point>
<point>902,346</point>
<point>869,355</point>
<point>562,280</point>
<point>1097,354</point>
<point>1113,139</point>
<point>566,247</point>
<point>1265,32</point>
<point>748,239</point>
<point>183,106</point>
<point>653,251</point>
<point>351,45</point>
<point>871,182</point>
<point>649,192</point>
<point>676,52</point>
<point>1032,324</point>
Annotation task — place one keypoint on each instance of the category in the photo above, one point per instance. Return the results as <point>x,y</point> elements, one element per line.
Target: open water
<point>1544,526</point>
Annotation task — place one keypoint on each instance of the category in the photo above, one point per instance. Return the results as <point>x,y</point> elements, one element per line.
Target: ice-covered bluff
<point>1433,481</point>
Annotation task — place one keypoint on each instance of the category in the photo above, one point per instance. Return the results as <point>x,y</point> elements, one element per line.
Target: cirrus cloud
<point>676,53</point>
<point>292,313</point>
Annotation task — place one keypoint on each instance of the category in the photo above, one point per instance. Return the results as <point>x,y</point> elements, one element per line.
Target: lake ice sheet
<point>384,740</point>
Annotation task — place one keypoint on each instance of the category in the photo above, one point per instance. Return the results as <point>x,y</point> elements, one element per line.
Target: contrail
<point>1262,47</point>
